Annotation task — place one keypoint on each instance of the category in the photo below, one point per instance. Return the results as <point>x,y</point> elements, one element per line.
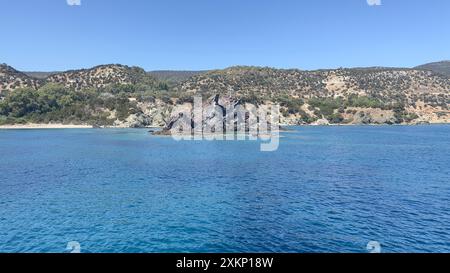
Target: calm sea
<point>326,189</point>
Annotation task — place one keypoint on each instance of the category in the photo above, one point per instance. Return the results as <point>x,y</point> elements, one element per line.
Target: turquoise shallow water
<point>327,189</point>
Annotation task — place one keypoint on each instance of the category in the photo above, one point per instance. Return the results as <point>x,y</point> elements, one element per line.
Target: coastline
<point>31,126</point>
<point>44,126</point>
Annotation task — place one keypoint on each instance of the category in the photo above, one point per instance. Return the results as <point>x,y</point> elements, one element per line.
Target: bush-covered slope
<point>117,95</point>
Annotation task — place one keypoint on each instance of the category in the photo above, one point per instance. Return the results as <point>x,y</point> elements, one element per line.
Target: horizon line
<point>222,68</point>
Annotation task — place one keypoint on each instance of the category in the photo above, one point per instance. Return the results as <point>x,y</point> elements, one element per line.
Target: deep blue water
<point>327,189</point>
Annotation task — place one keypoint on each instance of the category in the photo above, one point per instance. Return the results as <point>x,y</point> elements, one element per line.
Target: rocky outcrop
<point>217,115</point>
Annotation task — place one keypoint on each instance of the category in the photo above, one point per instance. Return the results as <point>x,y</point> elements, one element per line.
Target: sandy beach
<point>44,126</point>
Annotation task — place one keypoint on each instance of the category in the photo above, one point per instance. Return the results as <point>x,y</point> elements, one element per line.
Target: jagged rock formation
<point>215,112</point>
<point>220,115</point>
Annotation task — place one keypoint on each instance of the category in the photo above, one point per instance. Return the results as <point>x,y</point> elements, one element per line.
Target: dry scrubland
<point>122,96</point>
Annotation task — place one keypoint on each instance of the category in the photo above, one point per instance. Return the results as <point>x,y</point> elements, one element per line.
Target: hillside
<point>174,77</point>
<point>98,77</point>
<point>39,75</point>
<point>103,95</point>
<point>370,95</point>
<point>387,84</point>
<point>102,76</point>
<point>118,95</point>
<point>11,79</point>
<point>442,68</point>
<point>171,76</point>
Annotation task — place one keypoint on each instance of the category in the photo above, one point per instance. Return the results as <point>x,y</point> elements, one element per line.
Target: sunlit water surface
<point>326,189</point>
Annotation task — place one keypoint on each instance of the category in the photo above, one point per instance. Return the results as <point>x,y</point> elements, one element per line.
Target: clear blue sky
<point>49,35</point>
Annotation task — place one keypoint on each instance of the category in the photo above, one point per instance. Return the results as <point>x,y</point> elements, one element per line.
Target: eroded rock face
<point>216,115</point>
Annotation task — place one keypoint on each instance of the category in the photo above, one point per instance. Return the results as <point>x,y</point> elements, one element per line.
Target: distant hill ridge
<point>174,76</point>
<point>11,79</point>
<point>438,67</point>
<point>103,75</point>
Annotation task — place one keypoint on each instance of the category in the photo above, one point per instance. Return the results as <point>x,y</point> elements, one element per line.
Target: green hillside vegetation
<point>53,103</point>
<point>106,94</point>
